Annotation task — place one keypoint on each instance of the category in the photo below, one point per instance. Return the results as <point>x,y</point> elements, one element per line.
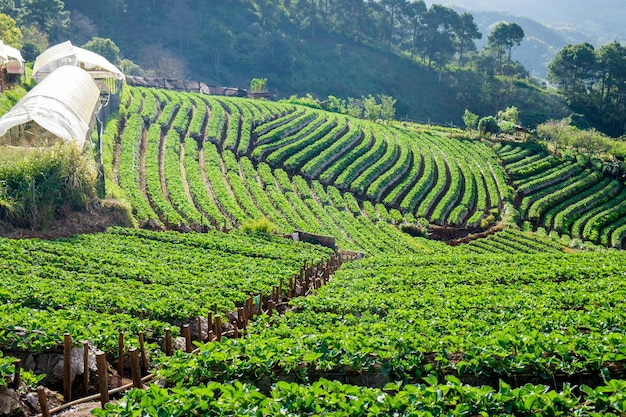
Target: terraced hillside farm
<point>188,161</point>
<point>506,317</point>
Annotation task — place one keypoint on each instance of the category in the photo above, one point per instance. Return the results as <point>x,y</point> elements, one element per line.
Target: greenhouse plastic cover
<point>8,52</point>
<point>63,104</point>
<point>67,54</point>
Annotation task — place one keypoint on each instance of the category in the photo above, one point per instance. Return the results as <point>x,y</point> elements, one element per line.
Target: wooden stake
<point>210,319</point>
<point>85,368</point>
<point>17,379</point>
<point>120,355</point>
<point>142,352</point>
<point>135,368</point>
<point>168,342</point>
<point>187,335</point>
<point>240,316</point>
<point>199,326</point>
<point>210,336</point>
<point>67,367</point>
<point>270,307</point>
<point>218,328</point>
<point>43,401</point>
<point>103,383</point>
<point>280,291</point>
<point>236,331</point>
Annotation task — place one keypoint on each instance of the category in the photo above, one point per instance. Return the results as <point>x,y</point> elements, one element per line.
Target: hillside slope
<point>190,161</point>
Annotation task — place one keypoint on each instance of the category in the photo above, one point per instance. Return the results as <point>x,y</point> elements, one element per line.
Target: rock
<point>9,402</point>
<point>55,363</point>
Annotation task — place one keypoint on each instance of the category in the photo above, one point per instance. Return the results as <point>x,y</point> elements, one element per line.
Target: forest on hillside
<point>426,57</point>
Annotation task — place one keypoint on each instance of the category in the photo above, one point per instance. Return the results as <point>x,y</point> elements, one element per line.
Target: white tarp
<point>67,54</point>
<point>8,52</point>
<point>63,103</point>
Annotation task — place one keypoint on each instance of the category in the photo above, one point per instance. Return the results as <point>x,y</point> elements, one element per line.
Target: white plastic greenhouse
<point>63,104</point>
<point>62,54</point>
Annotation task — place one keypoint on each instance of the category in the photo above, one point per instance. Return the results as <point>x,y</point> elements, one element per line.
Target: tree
<point>438,39</point>
<point>9,33</point>
<point>371,109</point>
<point>48,15</point>
<point>160,62</point>
<point>573,67</point>
<point>470,120</point>
<point>105,47</point>
<point>489,125</point>
<point>34,42</point>
<point>258,85</point>
<point>414,12</point>
<point>388,107</point>
<point>503,38</point>
<point>466,31</point>
<point>82,28</point>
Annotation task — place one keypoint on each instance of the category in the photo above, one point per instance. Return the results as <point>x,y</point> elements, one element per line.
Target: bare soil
<point>96,219</point>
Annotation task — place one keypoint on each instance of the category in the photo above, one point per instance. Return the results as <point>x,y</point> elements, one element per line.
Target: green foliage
<point>260,226</point>
<point>258,85</point>
<point>9,33</point>
<point>488,125</point>
<point>9,98</point>
<point>45,185</point>
<point>470,120</point>
<point>104,47</point>
<point>307,100</point>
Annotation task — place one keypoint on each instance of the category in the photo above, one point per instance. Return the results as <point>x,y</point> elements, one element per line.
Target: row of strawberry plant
<point>93,285</point>
<point>290,126</point>
<point>541,205</point>
<point>529,199</point>
<point>362,183</point>
<point>548,178</point>
<point>154,187</point>
<point>530,317</point>
<point>259,195</point>
<point>217,120</point>
<point>277,123</point>
<point>129,169</point>
<point>438,188</point>
<point>364,161</point>
<point>198,188</point>
<point>561,216</point>
<point>223,193</point>
<point>341,164</point>
<point>238,186</point>
<point>325,156</point>
<point>302,155</point>
<point>387,178</point>
<point>176,180</point>
<point>278,155</point>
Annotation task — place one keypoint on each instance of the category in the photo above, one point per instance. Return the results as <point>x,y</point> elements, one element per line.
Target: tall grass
<point>43,186</point>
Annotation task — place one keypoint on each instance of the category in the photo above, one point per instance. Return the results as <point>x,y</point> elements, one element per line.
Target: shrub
<point>259,226</point>
<point>43,186</point>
